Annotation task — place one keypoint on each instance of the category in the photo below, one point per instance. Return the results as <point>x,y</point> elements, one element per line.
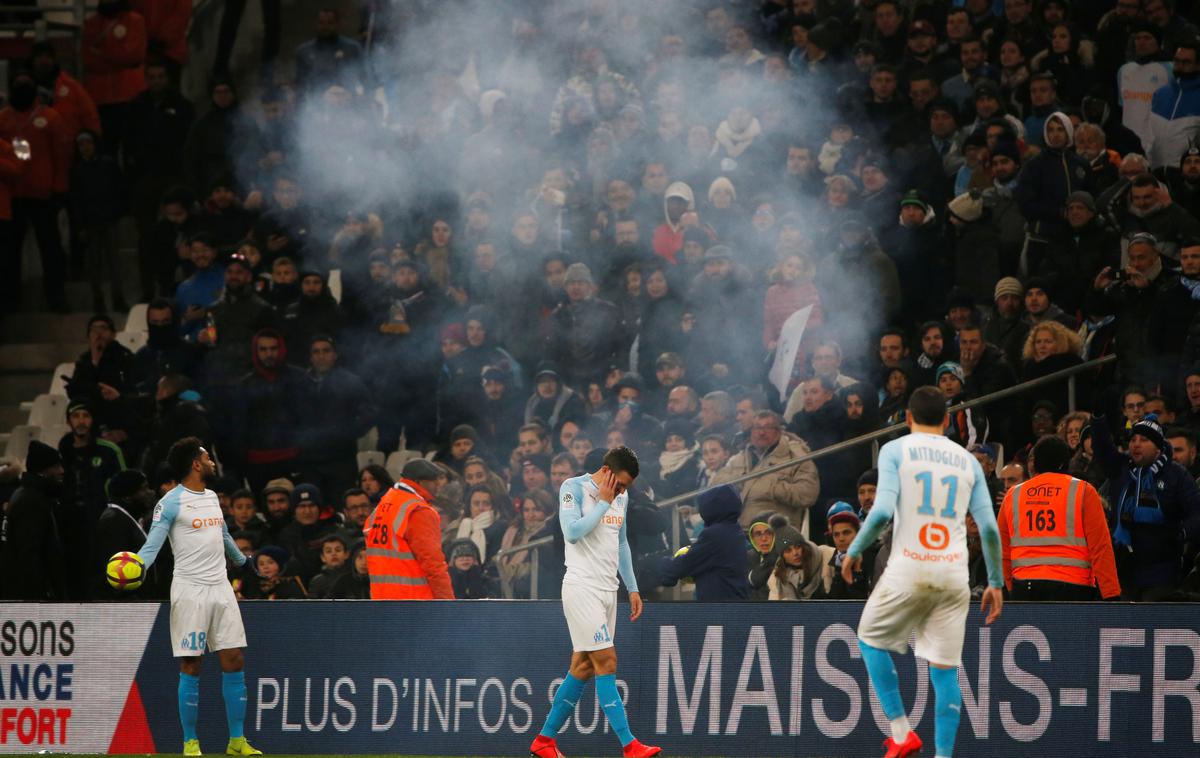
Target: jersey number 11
<point>925,479</point>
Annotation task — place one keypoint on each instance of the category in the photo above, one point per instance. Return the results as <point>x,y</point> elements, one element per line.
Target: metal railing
<point>675,501</point>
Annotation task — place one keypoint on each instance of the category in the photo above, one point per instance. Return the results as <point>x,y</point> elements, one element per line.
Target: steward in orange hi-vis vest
<point>1054,533</point>
<point>404,545</point>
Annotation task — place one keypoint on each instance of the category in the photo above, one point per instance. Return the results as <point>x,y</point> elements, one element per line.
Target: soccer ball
<point>125,571</point>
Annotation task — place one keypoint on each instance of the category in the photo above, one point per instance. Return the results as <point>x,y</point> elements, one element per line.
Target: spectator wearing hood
<point>763,553</point>
<point>314,312</point>
<point>330,58</point>
<point>723,294</point>
<point>34,558</point>
<point>802,569</point>
<point>552,402</point>
<point>483,347</point>
<point>584,334</point>
<point>668,236</point>
<point>338,410</point>
<point>716,562</point>
<point>63,92</point>
<point>236,317</point>
<point>1047,179</point>
<point>467,575</point>
<point>274,578</point>
<point>164,352</point>
<point>1155,508</point>
<point>267,412</point>
<point>311,523</point>
<point>500,412</point>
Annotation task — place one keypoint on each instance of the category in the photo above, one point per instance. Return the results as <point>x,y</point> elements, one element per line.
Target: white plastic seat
<point>58,383</point>
<point>53,433</point>
<point>136,320</point>
<point>48,409</point>
<point>19,438</point>
<point>369,441</point>
<point>134,341</point>
<point>370,457</point>
<point>334,283</point>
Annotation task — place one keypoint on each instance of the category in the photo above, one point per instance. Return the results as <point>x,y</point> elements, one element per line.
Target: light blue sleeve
<point>575,525</point>
<point>625,559</point>
<point>887,495</point>
<point>160,527</point>
<point>989,532</point>
<point>231,549</point>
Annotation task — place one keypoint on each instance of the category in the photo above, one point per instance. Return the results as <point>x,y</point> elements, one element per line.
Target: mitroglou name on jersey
<point>933,455</point>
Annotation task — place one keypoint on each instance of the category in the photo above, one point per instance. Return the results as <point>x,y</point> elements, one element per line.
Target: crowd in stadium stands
<point>566,227</point>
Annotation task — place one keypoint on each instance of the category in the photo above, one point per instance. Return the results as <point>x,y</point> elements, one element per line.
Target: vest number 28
<point>379,533</point>
<point>925,479</point>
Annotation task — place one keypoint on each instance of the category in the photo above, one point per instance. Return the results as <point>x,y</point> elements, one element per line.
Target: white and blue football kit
<point>204,611</point>
<point>927,485</point>
<point>597,549</point>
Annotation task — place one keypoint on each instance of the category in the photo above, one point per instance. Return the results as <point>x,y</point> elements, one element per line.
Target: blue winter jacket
<point>717,561</point>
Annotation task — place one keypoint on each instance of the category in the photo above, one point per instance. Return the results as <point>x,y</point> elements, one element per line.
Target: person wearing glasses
<point>1175,108</point>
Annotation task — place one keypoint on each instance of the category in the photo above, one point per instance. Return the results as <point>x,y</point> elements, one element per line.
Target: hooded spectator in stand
<point>34,559</point>
<point>467,575</point>
<point>266,430</point>
<point>102,379</point>
<point>483,348</point>
<point>500,412</point>
<point>314,312</point>
<point>1045,182</point>
<point>679,462</point>
<point>552,402</point>
<point>164,352</point>
<point>668,237</point>
<point>724,293</point>
<point>339,411</point>
<point>62,91</point>
<point>716,562</point>
<point>45,174</point>
<point>584,333</point>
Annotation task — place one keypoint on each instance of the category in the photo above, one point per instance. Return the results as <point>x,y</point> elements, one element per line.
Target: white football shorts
<point>204,616</point>
<point>938,617</point>
<point>591,616</point>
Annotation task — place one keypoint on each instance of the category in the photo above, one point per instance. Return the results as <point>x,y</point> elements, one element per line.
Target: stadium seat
<point>369,441</point>
<point>48,409</point>
<point>18,441</point>
<point>58,383</point>
<point>335,284</point>
<point>52,433</point>
<point>135,341</point>
<point>395,461</point>
<point>370,457</point>
<point>136,321</point>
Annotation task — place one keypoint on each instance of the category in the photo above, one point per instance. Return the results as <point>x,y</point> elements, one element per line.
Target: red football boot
<point>911,746</point>
<point>545,747</point>
<point>636,749</point>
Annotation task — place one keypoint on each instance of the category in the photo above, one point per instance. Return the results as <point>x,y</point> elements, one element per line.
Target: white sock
<point>900,729</point>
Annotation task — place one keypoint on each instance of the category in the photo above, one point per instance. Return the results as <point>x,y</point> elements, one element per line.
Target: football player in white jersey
<point>592,511</point>
<point>204,610</point>
<point>927,485</point>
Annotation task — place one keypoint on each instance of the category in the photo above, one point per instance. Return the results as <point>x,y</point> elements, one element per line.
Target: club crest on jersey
<point>158,509</point>
<point>934,536</point>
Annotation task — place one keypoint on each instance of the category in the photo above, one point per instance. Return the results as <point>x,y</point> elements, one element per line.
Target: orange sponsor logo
<point>200,523</point>
<point>934,536</point>
<point>616,520</point>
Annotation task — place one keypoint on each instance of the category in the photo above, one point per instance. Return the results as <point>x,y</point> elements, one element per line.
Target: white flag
<point>786,349</point>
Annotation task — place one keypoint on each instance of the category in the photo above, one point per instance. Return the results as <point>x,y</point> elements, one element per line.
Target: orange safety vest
<point>395,573</point>
<point>1048,539</point>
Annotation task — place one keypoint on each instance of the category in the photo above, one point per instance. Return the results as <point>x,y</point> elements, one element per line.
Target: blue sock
<point>949,708</point>
<point>610,701</point>
<point>565,698</point>
<point>233,689</point>
<point>189,704</point>
<point>882,670</point>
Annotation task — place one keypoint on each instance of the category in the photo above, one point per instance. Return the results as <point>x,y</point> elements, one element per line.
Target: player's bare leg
<point>233,690</point>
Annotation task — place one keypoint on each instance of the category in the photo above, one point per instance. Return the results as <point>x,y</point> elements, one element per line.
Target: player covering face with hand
<point>927,485</point>
<point>592,511</point>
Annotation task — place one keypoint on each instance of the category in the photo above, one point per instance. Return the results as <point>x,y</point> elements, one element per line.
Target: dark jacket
<point>113,369</point>
<point>308,317</point>
<point>303,543</point>
<point>717,561</point>
<point>584,339</point>
<point>1006,334</point>
<point>155,133</point>
<point>177,418</point>
<point>34,562</point>
<point>1150,524</point>
<point>1074,257</point>
<point>1043,185</point>
<point>97,190</point>
<point>1133,307</point>
<point>117,530</point>
<point>337,411</point>
<point>1172,330</point>
<point>237,317</point>
<point>268,412</point>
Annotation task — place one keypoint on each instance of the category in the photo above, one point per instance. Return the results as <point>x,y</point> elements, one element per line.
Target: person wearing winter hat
<point>679,462</point>
<point>763,554</point>
<point>89,461</point>
<point>311,523</point>
<point>802,570</point>
<point>844,526</point>
<point>1039,291</point>
<point>275,581</point>
<point>119,528</point>
<point>968,426</point>
<point>1004,327</point>
<point>1046,181</point>
<point>406,560</point>
<point>34,560</point>
<point>467,575</point>
<point>584,333</point>
<point>715,561</point>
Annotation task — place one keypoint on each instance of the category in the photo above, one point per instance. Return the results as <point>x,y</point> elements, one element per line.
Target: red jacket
<point>10,172</point>
<point>166,26</point>
<point>114,51</point>
<point>50,146</point>
<point>75,105</point>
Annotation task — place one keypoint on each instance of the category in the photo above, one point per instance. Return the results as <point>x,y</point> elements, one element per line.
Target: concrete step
<point>41,357</point>
<point>15,388</point>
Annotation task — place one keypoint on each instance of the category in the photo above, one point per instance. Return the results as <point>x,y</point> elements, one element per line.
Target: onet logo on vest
<point>201,523</point>
<point>1044,490</point>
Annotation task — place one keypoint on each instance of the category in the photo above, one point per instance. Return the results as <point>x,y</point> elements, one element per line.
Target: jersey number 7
<point>925,479</point>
